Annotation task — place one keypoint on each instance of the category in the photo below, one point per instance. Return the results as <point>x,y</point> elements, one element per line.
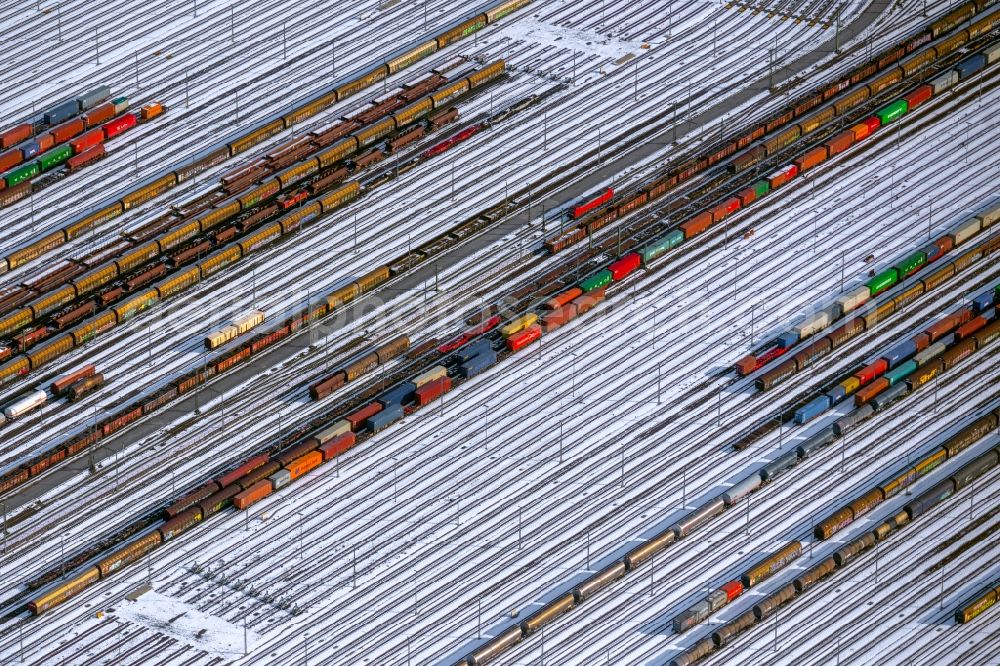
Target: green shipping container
<point>21,173</point>
<point>911,263</point>
<point>55,157</point>
<point>883,281</point>
<point>761,187</point>
<point>898,373</point>
<point>894,111</point>
<point>596,281</point>
<point>658,247</point>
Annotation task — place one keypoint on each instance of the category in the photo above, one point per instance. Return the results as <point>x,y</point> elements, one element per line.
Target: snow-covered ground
<point>515,485</point>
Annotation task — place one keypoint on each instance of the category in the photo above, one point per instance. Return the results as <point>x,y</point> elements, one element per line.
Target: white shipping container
<point>25,404</point>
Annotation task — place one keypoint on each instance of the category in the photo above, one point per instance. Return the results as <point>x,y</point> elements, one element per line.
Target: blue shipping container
<point>970,66</point>
<point>61,112</point>
<point>397,395</point>
<point>787,339</point>
<point>900,353</point>
<point>385,418</point>
<point>478,364</point>
<point>812,409</point>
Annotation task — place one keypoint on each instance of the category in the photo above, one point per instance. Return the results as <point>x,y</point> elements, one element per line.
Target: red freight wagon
<point>870,372</point>
<point>242,470</point>
<point>16,134</point>
<point>840,142</point>
<point>86,140</point>
<point>697,224</point>
<point>91,154</point>
<point>254,493</point>
<point>625,266</point>
<point>119,125</point>
<point>63,383</point>
<point>811,159</point>
<point>432,390</point>
<point>522,339</point>
<point>918,96</point>
<point>337,445</point>
<point>359,416</point>
<point>782,176</point>
<point>584,208</point>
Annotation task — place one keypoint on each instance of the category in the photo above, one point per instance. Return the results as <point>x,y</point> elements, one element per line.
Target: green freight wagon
<point>55,157</point>
<point>21,173</point>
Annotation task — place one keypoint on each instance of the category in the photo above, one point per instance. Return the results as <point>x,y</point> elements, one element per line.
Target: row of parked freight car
<point>107,210</point>
<point>263,474</point>
<point>892,62</point>
<point>143,298</point>
<point>911,511</point>
<point>517,338</point>
<point>189,381</point>
<point>853,300</point>
<point>72,387</point>
<point>75,142</point>
<point>283,181</point>
<point>936,348</point>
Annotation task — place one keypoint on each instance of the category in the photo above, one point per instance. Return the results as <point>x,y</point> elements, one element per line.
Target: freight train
<point>272,126</point>
<point>810,117</point>
<point>178,239</point>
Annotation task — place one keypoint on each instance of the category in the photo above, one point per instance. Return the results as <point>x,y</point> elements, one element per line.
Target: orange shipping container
<point>840,143</point>
<point>562,299</point>
<point>254,493</point>
<point>45,141</point>
<point>99,114</point>
<point>812,159</point>
<point>67,130</point>
<point>306,463</point>
<point>151,110</point>
<point>16,134</point>
<point>697,224</point>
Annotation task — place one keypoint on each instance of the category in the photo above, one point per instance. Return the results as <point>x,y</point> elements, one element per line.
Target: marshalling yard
<point>523,333</point>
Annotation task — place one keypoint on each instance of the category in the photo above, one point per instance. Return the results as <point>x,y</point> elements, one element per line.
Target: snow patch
<point>585,41</point>
<point>186,623</point>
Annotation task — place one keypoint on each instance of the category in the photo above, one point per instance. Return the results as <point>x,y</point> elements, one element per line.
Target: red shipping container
<point>86,140</point>
<point>811,159</point>
<point>16,134</point>
<point>337,445</point>
<point>254,493</point>
<point>432,390</point>
<point>119,125</point>
<point>697,224</point>
<point>918,96</point>
<point>840,142</point>
<point>99,114</point>
<point>305,464</point>
<point>562,299</point>
<point>9,159</point>
<point>868,392</point>
<point>243,470</point>
<point>522,339</point>
<point>625,266</point>
<point>870,372</point>
<point>921,340</point>
<point>45,141</point>
<point>970,327</point>
<point>68,130</point>
<point>733,589</point>
<point>357,417</point>
<point>86,157</point>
